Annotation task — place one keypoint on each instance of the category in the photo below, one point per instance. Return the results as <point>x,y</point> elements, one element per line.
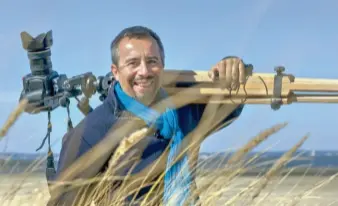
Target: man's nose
<point>144,69</point>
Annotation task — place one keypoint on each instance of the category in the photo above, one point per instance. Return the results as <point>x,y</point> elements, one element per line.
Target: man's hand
<point>230,72</point>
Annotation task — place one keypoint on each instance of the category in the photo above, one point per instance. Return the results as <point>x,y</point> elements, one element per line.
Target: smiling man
<point>138,63</point>
<point>138,66</point>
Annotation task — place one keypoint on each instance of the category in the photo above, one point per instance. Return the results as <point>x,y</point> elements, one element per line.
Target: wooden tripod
<point>260,88</point>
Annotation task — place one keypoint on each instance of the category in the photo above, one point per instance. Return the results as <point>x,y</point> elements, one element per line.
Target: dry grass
<point>98,190</point>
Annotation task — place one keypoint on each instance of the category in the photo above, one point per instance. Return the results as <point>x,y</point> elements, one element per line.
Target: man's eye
<point>152,61</point>
<point>132,64</point>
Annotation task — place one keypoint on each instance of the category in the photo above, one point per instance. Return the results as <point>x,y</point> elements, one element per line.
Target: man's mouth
<point>143,84</point>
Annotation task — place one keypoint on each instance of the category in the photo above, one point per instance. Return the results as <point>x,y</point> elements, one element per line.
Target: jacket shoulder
<point>94,126</point>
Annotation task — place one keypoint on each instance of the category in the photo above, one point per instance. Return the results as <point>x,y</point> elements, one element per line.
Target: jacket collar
<point>111,100</point>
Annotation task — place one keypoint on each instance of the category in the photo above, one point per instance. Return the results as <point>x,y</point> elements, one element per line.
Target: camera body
<point>39,88</point>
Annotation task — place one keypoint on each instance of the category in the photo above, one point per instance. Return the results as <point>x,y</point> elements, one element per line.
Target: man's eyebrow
<point>132,59</point>
<point>152,57</point>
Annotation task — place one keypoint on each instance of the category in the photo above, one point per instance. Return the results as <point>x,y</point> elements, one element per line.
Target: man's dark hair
<point>134,32</point>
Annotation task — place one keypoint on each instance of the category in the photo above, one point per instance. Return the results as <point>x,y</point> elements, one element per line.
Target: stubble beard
<point>148,97</point>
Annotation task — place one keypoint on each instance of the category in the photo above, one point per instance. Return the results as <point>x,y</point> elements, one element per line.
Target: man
<point>138,62</point>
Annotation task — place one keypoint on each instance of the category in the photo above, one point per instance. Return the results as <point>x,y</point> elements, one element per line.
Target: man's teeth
<point>143,83</point>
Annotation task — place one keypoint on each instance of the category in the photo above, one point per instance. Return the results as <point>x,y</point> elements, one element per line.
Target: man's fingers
<point>228,71</point>
<point>221,69</point>
<point>231,72</point>
<point>242,73</point>
<point>213,73</point>
<point>235,74</point>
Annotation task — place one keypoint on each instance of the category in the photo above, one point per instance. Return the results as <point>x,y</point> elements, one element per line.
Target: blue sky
<point>301,35</point>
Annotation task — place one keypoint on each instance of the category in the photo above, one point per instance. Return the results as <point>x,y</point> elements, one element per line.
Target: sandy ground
<point>306,191</point>
<point>278,192</point>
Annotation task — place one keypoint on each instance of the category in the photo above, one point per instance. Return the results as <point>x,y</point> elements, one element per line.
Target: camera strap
<point>50,167</point>
<point>49,130</point>
<point>69,123</point>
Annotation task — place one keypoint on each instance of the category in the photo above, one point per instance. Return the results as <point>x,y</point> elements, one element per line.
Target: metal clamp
<point>277,89</point>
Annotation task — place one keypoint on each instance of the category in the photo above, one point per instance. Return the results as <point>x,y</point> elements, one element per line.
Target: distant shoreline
<point>293,172</point>
<point>309,163</point>
<point>308,172</point>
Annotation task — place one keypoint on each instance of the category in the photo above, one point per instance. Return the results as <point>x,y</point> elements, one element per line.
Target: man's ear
<point>114,70</point>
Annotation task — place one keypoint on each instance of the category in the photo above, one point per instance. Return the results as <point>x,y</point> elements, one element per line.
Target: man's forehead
<point>137,45</point>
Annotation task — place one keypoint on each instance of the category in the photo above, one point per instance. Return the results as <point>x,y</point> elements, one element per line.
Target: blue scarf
<point>177,178</point>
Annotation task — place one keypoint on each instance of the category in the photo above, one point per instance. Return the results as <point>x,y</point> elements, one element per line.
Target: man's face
<point>140,68</point>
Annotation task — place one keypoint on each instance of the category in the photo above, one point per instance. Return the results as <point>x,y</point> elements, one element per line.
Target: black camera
<point>45,89</point>
<point>38,85</point>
